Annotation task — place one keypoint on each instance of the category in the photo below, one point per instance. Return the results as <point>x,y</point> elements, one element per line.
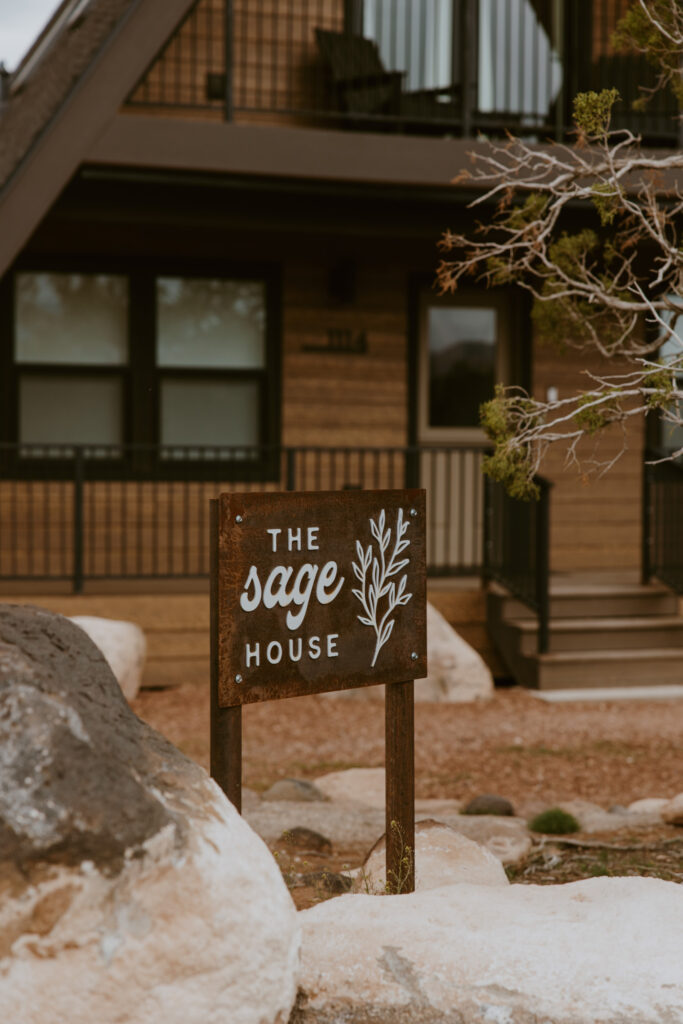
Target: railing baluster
<point>77,572</point>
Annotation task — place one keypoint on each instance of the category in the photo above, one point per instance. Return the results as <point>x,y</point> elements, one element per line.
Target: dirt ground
<point>535,754</point>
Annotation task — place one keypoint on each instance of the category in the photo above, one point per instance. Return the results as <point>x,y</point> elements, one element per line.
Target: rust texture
<point>318,591</point>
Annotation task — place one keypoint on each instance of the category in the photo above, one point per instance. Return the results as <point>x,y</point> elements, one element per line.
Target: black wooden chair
<point>362,85</point>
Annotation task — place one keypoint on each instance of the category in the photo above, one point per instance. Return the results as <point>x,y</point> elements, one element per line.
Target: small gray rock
<point>294,790</point>
<point>306,839</point>
<point>489,803</point>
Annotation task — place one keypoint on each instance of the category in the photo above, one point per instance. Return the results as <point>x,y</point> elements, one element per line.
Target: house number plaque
<point>319,591</point>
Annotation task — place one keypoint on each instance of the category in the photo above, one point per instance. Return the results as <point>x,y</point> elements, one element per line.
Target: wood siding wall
<point>345,399</point>
<point>595,522</point>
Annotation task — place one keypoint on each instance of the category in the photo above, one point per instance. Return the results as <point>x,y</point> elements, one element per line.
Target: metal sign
<point>319,591</point>
<point>313,592</point>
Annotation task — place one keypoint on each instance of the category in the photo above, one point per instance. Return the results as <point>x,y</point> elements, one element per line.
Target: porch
<point>123,532</point>
<point>456,67</point>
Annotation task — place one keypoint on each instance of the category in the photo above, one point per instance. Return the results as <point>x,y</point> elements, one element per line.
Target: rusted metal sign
<point>318,591</point>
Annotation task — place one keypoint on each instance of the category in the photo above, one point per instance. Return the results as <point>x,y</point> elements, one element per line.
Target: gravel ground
<point>533,753</point>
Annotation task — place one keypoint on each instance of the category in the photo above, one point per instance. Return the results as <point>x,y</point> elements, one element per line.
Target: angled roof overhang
<point>60,145</point>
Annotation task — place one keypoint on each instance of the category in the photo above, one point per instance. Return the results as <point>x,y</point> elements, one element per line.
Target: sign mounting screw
<point>238,678</point>
<point>414,655</point>
<point>238,519</point>
<point>413,511</point>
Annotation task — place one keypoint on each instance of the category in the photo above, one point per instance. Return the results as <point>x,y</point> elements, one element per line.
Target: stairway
<point>603,632</point>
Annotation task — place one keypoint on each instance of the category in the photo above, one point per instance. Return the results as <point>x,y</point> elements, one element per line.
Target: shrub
<point>555,822</point>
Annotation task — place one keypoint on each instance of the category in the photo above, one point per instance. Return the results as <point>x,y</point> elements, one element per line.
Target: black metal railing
<point>449,66</point>
<point>79,513</point>
<point>517,545</point>
<point>663,522</point>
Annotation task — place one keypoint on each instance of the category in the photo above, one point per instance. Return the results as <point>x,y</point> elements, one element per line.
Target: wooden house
<point>218,247</point>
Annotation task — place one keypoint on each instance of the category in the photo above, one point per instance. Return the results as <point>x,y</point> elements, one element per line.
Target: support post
<point>400,786</point>
<point>79,478</point>
<point>226,723</point>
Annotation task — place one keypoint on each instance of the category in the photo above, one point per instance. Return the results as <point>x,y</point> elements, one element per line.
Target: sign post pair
<point>313,592</point>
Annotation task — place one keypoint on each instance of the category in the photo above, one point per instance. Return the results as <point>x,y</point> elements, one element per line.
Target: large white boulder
<point>442,856</point>
<point>131,888</point>
<point>457,673</point>
<point>366,786</point>
<point>603,951</point>
<point>123,645</point>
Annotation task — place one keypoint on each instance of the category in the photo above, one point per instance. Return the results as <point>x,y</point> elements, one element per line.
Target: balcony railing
<point>443,66</point>
<point>76,514</point>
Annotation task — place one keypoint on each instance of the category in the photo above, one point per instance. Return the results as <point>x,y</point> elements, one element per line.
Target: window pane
<point>671,435</point>
<point>209,412</point>
<point>462,353</point>
<point>519,70</point>
<point>415,36</point>
<point>210,322</point>
<point>71,318</point>
<point>70,410</point>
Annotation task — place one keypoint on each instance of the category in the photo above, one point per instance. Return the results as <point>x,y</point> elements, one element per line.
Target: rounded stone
<point>490,803</point>
<point>442,856</point>
<point>294,790</point>
<point>306,839</point>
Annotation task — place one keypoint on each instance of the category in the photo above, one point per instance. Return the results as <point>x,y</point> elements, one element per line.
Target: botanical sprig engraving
<point>380,593</point>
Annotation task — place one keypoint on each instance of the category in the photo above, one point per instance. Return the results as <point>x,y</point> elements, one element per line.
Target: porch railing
<point>79,513</point>
<point>448,66</point>
<point>517,544</point>
<point>663,523</point>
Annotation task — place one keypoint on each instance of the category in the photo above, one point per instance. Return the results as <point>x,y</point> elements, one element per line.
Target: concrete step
<point>603,633</point>
<point>578,669</point>
<point>583,601</point>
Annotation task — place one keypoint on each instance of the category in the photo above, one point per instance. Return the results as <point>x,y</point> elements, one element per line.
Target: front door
<point>463,352</point>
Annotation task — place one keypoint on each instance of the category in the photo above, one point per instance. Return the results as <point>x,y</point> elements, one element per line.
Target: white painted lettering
<point>306,578</point>
<point>247,603</point>
<point>314,648</point>
<point>273,595</point>
<point>274,532</point>
<point>328,575</point>
<point>312,538</point>
<point>332,651</point>
<point>274,652</point>
<point>293,640</point>
<point>253,653</point>
<point>294,537</point>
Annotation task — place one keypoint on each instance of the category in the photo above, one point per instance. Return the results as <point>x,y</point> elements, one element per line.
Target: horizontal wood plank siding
<point>595,521</point>
<point>344,399</point>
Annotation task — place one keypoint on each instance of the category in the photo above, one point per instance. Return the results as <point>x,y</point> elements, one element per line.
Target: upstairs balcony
<point>439,67</point>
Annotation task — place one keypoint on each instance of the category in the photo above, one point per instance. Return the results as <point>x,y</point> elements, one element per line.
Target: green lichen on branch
<point>606,200</point>
<point>593,112</point>
<point>594,414</point>
<point>659,388</point>
<point>510,462</point>
<point>656,37</point>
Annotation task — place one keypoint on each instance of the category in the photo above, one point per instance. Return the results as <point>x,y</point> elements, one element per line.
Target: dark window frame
<point>141,376</point>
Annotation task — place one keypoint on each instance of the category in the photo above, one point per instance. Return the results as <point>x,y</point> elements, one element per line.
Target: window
<point>107,359</point>
<point>519,70</point>
<point>671,435</point>
<point>70,352</point>
<point>211,357</point>
<point>462,356</point>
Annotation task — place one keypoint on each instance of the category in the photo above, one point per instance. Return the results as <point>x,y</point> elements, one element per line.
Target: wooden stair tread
<point>630,654</point>
<point>593,624</point>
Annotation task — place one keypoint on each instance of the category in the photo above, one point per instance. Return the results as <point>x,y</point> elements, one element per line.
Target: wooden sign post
<point>320,591</point>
